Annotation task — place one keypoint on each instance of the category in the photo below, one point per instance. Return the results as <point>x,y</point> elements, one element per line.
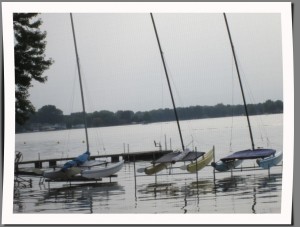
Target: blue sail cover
<point>249,154</point>
<point>77,161</point>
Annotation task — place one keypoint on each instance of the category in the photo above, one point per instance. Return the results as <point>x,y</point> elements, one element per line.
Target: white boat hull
<point>270,161</point>
<point>60,175</point>
<point>102,171</point>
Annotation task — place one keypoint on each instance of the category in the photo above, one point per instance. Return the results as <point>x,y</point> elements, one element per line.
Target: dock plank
<point>135,156</point>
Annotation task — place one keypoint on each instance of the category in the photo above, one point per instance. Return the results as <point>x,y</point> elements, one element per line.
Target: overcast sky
<point>122,68</point>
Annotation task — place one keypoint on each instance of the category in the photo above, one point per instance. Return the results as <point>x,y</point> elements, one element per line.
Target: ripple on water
<point>242,193</point>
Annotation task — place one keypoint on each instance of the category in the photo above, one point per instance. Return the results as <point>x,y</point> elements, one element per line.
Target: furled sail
<point>78,161</point>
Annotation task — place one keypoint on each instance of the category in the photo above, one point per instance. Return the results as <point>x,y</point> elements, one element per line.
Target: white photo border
<point>284,8</point>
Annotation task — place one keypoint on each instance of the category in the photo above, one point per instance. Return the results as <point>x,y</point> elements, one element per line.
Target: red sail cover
<point>249,154</point>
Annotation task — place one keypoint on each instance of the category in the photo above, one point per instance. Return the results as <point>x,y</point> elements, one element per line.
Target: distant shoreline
<point>141,123</point>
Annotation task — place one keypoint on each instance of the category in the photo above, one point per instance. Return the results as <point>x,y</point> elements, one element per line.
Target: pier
<point>128,157</point>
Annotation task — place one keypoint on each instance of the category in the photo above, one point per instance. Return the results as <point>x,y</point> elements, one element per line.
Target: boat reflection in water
<point>83,196</point>
<point>243,192</point>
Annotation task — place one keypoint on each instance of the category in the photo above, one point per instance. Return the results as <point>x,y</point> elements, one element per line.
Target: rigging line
<point>181,102</point>
<point>162,100</point>
<point>190,129</point>
<point>80,82</point>
<point>175,87</point>
<point>241,85</point>
<point>262,129</point>
<point>246,83</point>
<point>232,103</point>
<point>90,103</point>
<point>173,102</point>
<point>252,100</point>
<point>70,108</point>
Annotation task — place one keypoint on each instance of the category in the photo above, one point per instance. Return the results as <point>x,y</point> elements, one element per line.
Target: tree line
<point>50,115</point>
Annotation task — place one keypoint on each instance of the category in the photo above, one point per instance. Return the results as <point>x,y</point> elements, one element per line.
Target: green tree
<point>279,106</point>
<point>50,114</point>
<point>30,62</point>
<point>138,116</point>
<point>147,117</point>
<point>76,118</point>
<point>125,116</point>
<point>269,106</point>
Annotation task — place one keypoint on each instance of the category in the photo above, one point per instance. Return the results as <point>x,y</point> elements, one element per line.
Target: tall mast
<point>241,85</point>
<point>81,89</point>
<point>170,89</point>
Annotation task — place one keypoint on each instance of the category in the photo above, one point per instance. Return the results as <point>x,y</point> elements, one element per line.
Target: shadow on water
<point>83,196</point>
<point>156,189</point>
<point>245,181</point>
<point>251,192</point>
<point>244,192</point>
<point>73,198</point>
<point>250,187</point>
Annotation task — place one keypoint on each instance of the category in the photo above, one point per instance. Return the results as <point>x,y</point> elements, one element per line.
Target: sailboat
<point>184,155</point>
<point>265,158</point>
<point>82,167</point>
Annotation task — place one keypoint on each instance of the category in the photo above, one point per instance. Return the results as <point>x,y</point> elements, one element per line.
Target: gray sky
<point>122,68</point>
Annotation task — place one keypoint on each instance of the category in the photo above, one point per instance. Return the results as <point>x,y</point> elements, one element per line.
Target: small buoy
<point>83,141</point>
<point>57,142</point>
<point>24,142</point>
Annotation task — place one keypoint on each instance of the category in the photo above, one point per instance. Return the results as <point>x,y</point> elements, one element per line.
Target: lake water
<point>175,191</point>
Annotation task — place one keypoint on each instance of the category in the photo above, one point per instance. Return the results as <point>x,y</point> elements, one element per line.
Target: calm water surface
<point>173,191</point>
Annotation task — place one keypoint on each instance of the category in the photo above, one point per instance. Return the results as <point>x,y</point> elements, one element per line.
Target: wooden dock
<point>128,157</point>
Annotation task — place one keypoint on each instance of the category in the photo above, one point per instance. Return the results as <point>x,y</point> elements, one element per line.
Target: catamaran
<point>265,157</point>
<point>82,167</point>
<point>184,155</point>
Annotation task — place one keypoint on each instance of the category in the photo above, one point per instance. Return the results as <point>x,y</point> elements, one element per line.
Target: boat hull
<point>200,164</point>
<point>156,168</point>
<point>92,169</point>
<point>225,166</point>
<point>270,161</point>
<point>105,171</point>
<point>62,175</point>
